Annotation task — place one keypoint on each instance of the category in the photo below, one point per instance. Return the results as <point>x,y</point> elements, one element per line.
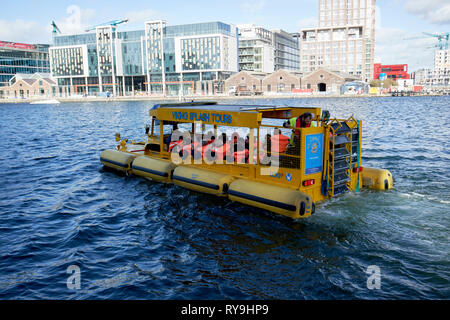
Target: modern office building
<point>392,71</point>
<point>160,59</point>
<point>343,41</point>
<point>256,52</point>
<point>22,58</point>
<point>287,50</point>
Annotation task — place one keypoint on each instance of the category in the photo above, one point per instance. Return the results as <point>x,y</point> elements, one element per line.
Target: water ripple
<point>136,239</point>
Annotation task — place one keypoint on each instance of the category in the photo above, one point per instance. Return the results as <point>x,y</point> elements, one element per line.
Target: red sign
<point>302,90</point>
<point>16,45</point>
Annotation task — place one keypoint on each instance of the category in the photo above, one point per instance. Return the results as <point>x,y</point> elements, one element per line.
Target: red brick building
<point>392,71</point>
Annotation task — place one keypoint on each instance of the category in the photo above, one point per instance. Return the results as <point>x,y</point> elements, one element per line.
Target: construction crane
<point>109,23</point>
<point>55,28</point>
<point>442,37</point>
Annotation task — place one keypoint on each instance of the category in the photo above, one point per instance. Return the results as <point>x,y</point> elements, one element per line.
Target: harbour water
<point>135,239</point>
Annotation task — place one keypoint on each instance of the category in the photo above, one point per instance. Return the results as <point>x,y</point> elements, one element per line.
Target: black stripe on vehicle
<point>269,202</point>
<point>157,173</point>
<point>198,183</point>
<point>114,162</point>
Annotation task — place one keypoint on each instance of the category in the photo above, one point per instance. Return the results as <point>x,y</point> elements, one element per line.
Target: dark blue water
<point>135,239</point>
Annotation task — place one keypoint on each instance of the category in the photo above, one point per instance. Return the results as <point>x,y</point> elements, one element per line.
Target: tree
<point>388,83</point>
<point>375,83</point>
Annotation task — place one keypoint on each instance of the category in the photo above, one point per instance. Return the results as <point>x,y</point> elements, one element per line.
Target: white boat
<point>46,102</point>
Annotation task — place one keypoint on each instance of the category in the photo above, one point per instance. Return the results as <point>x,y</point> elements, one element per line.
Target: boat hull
<point>377,179</point>
<point>288,202</point>
<point>117,160</point>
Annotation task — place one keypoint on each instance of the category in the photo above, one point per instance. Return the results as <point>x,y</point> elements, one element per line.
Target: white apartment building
<point>440,75</point>
<point>256,52</point>
<point>261,50</point>
<point>442,61</point>
<point>343,41</point>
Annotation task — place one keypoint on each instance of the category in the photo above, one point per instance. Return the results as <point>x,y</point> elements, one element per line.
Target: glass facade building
<point>287,51</point>
<point>344,40</point>
<point>22,58</point>
<point>159,59</point>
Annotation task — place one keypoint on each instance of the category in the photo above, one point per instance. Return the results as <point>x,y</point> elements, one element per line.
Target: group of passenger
<point>239,147</point>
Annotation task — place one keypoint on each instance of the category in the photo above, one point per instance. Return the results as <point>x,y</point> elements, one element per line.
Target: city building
<point>161,59</point>
<point>244,82</point>
<point>256,51</point>
<point>323,80</point>
<point>344,39</point>
<point>287,82</point>
<point>22,58</point>
<point>282,81</point>
<point>441,67</point>
<point>422,76</point>
<point>287,50</point>
<point>24,86</point>
<point>439,75</point>
<point>261,50</point>
<point>392,71</point>
<point>441,60</point>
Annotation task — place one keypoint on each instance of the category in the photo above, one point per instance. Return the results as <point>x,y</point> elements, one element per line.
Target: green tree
<point>387,83</point>
<point>375,83</point>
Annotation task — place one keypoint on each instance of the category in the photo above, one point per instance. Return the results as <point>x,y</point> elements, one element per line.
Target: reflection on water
<point>136,239</point>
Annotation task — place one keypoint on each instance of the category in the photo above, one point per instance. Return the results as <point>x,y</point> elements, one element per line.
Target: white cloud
<point>77,21</point>
<point>33,32</point>
<point>397,46</point>
<point>253,6</point>
<point>392,47</point>
<point>307,23</point>
<point>142,16</point>
<point>433,11</point>
<point>23,31</point>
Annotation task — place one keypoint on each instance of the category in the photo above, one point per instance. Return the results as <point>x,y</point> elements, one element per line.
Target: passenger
<point>303,121</point>
<point>279,141</point>
<point>240,149</point>
<point>207,145</point>
<point>222,149</point>
<point>174,128</point>
<point>238,143</point>
<point>173,144</point>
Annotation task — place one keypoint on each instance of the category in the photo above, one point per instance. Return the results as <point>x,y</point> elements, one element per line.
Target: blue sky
<point>29,21</point>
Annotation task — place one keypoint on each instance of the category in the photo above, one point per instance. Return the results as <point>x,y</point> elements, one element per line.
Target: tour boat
<point>245,153</point>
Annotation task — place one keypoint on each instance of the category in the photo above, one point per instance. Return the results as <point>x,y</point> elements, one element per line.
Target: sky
<point>397,21</point>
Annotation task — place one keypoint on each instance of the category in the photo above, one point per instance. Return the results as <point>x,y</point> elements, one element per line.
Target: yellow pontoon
<point>244,153</point>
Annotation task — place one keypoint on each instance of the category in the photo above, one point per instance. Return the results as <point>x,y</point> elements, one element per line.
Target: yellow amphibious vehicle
<point>248,154</point>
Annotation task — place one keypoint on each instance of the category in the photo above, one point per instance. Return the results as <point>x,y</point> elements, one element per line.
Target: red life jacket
<point>279,143</point>
<point>173,144</point>
<point>298,124</point>
<point>241,156</point>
